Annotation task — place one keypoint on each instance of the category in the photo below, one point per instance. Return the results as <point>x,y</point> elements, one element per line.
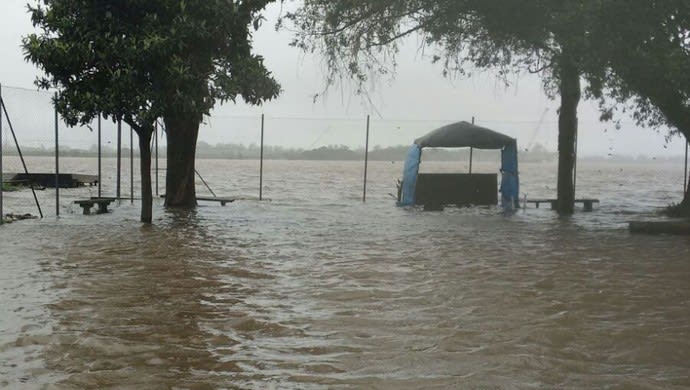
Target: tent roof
<point>464,135</point>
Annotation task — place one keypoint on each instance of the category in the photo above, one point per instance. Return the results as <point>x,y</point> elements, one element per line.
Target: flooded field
<point>315,290</point>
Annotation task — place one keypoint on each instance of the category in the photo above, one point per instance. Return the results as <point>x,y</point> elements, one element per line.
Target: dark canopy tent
<point>465,135</point>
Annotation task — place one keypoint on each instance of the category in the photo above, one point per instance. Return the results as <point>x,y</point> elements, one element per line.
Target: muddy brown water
<point>315,290</point>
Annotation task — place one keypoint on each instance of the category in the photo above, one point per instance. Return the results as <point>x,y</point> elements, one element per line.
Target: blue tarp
<point>464,134</point>
<point>510,182</point>
<point>409,183</point>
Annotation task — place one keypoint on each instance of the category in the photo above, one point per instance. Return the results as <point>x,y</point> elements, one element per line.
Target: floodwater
<point>315,290</point>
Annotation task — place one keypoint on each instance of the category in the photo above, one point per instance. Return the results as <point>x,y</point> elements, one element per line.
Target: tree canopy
<point>617,45</point>
<point>136,60</point>
<point>645,66</point>
<point>632,55</point>
<point>140,60</point>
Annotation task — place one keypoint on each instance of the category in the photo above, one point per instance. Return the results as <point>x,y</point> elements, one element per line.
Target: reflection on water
<point>316,290</point>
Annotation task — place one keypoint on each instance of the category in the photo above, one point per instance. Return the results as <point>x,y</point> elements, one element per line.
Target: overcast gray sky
<point>419,99</point>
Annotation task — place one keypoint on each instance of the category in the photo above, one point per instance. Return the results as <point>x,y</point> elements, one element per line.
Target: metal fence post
<point>100,176</point>
<point>261,163</point>
<point>119,157</point>
<point>57,163</point>
<point>366,161</point>
<point>685,176</point>
<point>131,165</point>
<point>156,142</point>
<point>471,152</point>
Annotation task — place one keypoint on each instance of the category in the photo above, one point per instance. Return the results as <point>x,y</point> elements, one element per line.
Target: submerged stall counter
<point>461,189</point>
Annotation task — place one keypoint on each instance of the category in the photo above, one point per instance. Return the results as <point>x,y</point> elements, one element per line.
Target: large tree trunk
<point>567,132</point>
<point>182,135</point>
<point>145,166</point>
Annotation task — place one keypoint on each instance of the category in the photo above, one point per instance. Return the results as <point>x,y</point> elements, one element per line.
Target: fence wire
<point>229,147</point>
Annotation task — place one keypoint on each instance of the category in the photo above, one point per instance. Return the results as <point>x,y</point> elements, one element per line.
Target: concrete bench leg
<point>102,208</point>
<point>588,206</point>
<point>87,209</point>
<point>553,205</point>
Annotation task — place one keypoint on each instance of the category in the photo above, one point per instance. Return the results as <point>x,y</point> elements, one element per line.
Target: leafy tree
<point>562,40</point>
<point>140,60</point>
<point>648,54</point>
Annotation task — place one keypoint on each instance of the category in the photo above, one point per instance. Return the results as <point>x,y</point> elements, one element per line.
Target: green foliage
<point>677,210</point>
<point>647,56</point>
<point>138,60</point>
<point>7,187</point>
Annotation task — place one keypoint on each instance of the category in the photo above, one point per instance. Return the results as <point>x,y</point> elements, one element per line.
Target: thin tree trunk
<point>145,165</point>
<point>182,135</point>
<point>567,131</point>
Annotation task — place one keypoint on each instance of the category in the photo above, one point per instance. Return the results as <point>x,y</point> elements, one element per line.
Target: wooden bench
<point>102,203</point>
<point>222,201</point>
<point>588,204</point>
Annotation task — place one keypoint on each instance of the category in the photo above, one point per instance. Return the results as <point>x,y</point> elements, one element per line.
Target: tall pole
<point>366,161</point>
<point>261,161</point>
<point>119,157</point>
<point>471,152</point>
<point>156,142</point>
<point>2,180</point>
<point>131,165</point>
<point>685,176</point>
<point>100,175</point>
<point>57,163</point>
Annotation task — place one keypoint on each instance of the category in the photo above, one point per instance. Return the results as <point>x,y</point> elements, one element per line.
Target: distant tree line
<point>538,153</point>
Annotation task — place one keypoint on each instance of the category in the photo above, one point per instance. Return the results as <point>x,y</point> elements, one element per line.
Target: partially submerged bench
<point>102,203</point>
<point>222,201</point>
<point>588,204</point>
